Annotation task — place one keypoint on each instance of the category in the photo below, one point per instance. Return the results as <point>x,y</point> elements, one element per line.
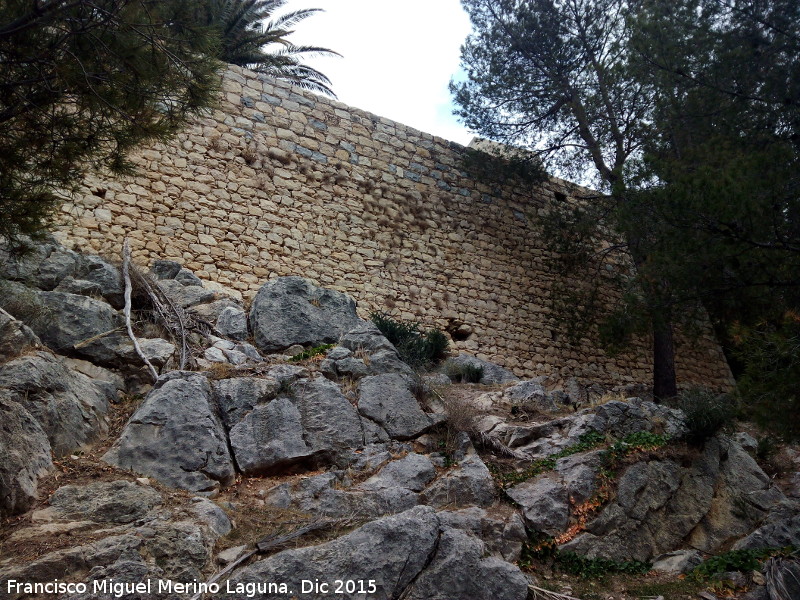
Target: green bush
<point>706,413</point>
<point>417,348</point>
<point>735,560</point>
<point>464,373</point>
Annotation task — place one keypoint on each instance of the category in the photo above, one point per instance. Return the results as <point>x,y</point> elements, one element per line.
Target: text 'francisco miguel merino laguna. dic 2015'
<point>120,589</point>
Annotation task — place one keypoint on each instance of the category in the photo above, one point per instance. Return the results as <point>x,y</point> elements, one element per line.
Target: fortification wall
<point>277,181</point>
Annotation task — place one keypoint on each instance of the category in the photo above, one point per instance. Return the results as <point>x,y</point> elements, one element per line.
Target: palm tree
<point>246,40</point>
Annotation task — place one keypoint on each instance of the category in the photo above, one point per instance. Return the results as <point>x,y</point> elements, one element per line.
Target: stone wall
<point>277,181</point>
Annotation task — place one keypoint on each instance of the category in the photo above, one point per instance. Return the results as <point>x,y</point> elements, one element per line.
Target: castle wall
<point>278,181</point>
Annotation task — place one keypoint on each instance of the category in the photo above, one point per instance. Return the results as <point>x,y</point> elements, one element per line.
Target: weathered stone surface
<point>176,436</point>
<point>165,269</point>
<point>237,396</point>
<point>623,418</point>
<point>780,528</point>
<point>70,408</point>
<point>15,337</point>
<point>212,515</point>
<point>211,311</point>
<point>579,475</point>
<point>412,472</point>
<point>503,535</point>
<point>291,310</point>
<point>381,355</point>
<point>459,570</point>
<point>186,296</point>
<point>331,424</point>
<point>107,502</point>
<point>232,323</point>
<point>105,276</point>
<point>24,458</point>
<point>468,484</point>
<point>492,373</point>
<point>316,425</point>
<point>74,320</point>
<point>387,400</point>
<point>405,554</point>
<point>544,503</point>
<point>661,505</point>
<point>270,439</point>
<point>43,267</point>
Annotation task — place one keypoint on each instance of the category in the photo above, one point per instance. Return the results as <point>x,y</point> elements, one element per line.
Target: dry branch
<point>126,263</point>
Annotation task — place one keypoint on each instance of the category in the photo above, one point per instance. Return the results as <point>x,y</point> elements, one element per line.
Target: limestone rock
<point>459,570</point>
<point>468,484</point>
<point>105,502</point>
<point>270,439</point>
<point>544,503</point>
<point>780,528</point>
<point>677,562</point>
<point>291,310</point>
<point>15,337</point>
<point>407,555</point>
<point>24,458</point>
<point>186,296</point>
<point>237,396</point>
<point>176,437</point>
<point>232,323</point>
<point>380,354</point>
<point>70,407</point>
<point>387,400</point>
<point>412,472</point>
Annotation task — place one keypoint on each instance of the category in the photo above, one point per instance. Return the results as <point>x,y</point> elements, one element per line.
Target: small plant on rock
<point>706,413</point>
<point>417,348</point>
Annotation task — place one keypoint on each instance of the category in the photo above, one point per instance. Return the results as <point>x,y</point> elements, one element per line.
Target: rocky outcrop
<point>387,400</point>
<point>69,406</point>
<point>410,555</point>
<point>176,436</point>
<point>291,310</point>
<point>24,458</point>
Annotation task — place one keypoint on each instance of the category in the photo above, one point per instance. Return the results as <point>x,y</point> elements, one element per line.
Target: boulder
<point>165,269</point>
<point>315,426</point>
<point>503,534</point>
<point>459,570</point>
<point>270,439</point>
<point>412,472</point>
<point>662,505</point>
<point>387,400</point>
<point>15,337</point>
<point>366,340</point>
<point>779,529</point>
<point>237,396</point>
<point>545,504</point>
<point>677,562</point>
<point>185,296</point>
<point>492,373</point>
<point>468,484</point>
<point>43,267</point>
<point>105,502</point>
<point>24,458</point>
<point>176,436</point>
<point>292,310</point>
<point>408,555</point>
<point>104,277</point>
<point>232,323</point>
<point>69,406</point>
<point>331,423</point>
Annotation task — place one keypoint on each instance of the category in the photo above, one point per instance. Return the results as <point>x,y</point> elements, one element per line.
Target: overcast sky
<point>397,57</point>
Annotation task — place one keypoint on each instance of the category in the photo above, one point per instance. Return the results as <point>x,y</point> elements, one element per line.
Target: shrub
<point>417,348</point>
<point>465,373</point>
<point>706,413</point>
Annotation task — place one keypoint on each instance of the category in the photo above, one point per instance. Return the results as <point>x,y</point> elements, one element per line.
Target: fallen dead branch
<point>126,264</point>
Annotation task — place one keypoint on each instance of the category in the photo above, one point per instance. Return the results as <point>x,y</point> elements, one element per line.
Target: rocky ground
<point>253,459</point>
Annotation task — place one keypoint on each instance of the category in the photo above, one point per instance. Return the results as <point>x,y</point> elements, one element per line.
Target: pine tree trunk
<point>664,381</point>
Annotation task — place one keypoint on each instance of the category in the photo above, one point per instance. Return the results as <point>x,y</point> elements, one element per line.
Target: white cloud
<point>397,57</point>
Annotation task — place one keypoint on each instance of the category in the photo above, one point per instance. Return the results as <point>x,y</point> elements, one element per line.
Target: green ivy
<point>575,564</point>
